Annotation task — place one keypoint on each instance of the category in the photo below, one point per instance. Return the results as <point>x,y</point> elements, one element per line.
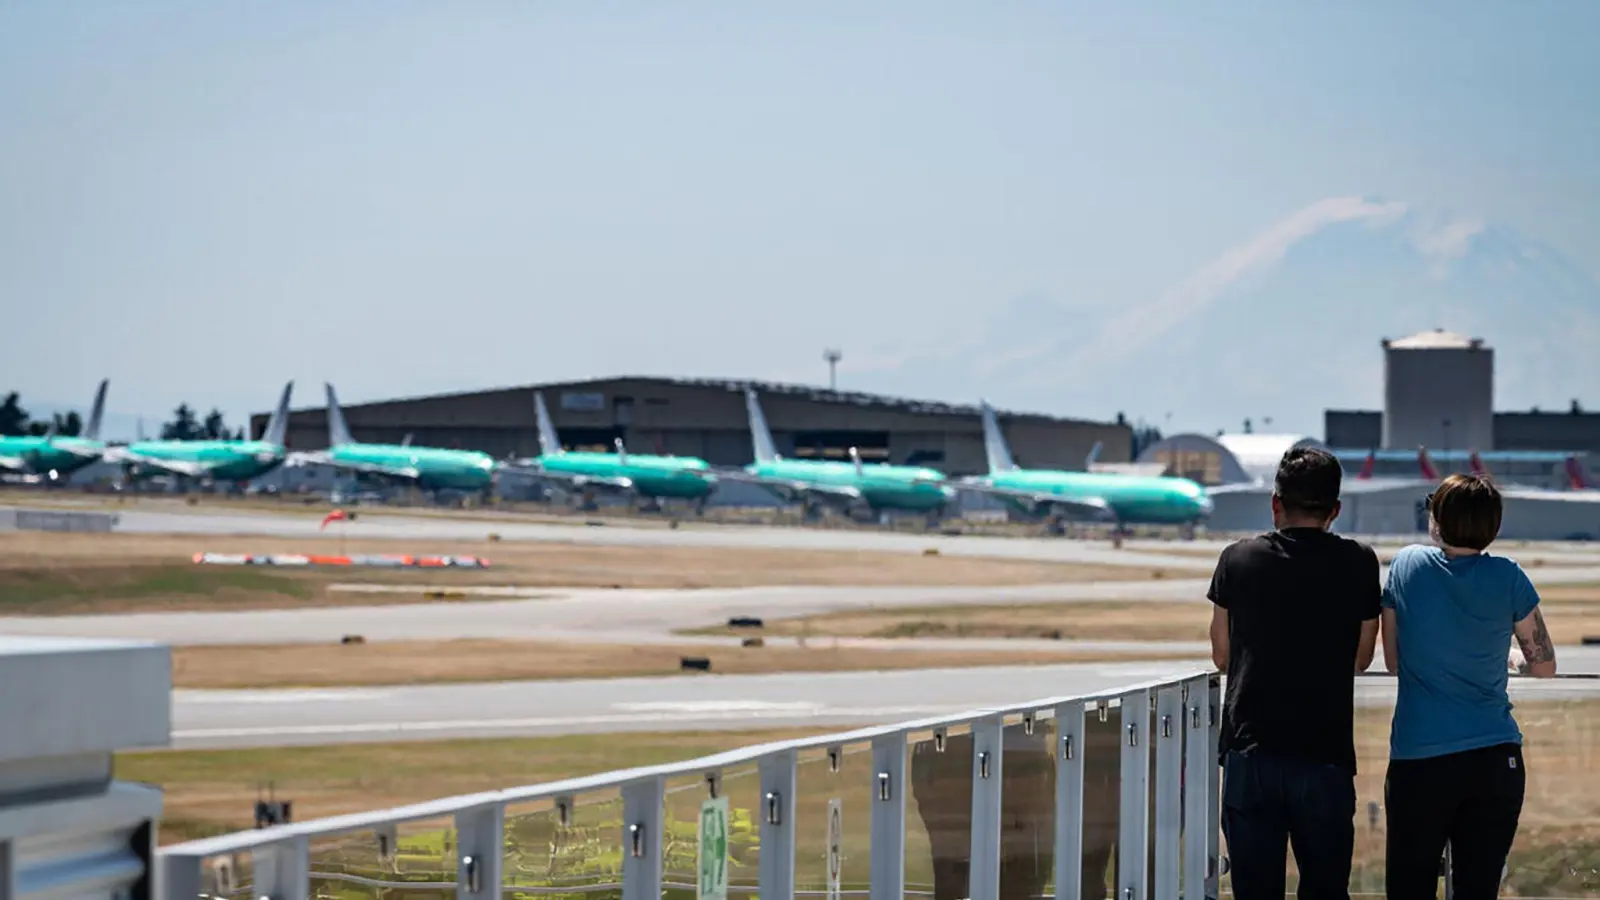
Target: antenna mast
<point>833,357</point>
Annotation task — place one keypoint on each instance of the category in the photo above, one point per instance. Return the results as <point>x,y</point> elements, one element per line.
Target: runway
<point>624,617</point>
<point>216,719</point>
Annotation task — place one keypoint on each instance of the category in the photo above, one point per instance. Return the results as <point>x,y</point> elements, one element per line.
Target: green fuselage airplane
<point>850,485</point>
<point>211,460</point>
<point>52,457</point>
<point>641,474</point>
<point>1120,499</point>
<point>429,468</point>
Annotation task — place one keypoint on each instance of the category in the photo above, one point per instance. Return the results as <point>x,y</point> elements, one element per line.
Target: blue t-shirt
<point>1454,621</point>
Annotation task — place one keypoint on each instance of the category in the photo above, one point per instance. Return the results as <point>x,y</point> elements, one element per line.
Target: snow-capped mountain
<point>1289,323</point>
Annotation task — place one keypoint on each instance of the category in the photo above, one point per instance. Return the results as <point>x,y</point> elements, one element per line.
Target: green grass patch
<point>27,590</point>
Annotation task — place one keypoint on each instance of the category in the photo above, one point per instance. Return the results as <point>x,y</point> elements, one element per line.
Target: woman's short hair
<point>1467,508</point>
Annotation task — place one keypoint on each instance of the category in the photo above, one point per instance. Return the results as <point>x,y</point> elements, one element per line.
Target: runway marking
<point>887,712</point>
<point>276,696</point>
<point>707,706</point>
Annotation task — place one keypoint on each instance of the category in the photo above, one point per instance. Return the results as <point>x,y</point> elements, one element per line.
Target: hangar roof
<point>1245,458</point>
<point>810,393</point>
<point>1437,339</point>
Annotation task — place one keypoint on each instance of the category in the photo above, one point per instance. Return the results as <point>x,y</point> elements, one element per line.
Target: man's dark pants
<point>1272,802</point>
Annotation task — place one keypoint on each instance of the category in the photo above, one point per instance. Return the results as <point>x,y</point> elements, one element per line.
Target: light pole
<point>833,357</point>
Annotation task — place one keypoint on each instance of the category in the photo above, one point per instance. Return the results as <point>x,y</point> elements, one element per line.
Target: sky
<point>202,201</point>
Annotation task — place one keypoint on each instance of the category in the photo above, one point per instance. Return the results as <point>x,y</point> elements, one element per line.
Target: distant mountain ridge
<point>1289,323</point>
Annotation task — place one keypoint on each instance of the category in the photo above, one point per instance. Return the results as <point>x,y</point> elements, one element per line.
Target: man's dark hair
<point>1467,508</point>
<point>1308,482</point>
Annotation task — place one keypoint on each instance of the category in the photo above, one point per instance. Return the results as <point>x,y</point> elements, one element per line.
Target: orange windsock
<point>337,515</point>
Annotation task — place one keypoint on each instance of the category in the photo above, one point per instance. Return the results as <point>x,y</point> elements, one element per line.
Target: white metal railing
<point>1167,839</point>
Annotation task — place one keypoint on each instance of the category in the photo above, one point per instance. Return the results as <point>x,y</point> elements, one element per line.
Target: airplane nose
<point>1206,504</point>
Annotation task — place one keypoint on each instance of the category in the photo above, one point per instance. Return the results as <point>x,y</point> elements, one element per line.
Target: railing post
<point>179,878</point>
<point>480,848</point>
<point>1213,787</point>
<point>1168,729</point>
<point>643,815</point>
<point>283,870</point>
<point>1133,844</point>
<point>983,871</point>
<point>778,802</point>
<point>1069,801</point>
<point>1198,764</point>
<point>888,850</point>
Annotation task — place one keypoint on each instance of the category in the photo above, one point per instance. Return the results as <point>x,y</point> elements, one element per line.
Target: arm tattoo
<point>1537,648</point>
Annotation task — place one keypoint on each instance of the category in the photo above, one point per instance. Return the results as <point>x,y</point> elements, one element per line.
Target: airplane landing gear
<point>1186,531</point>
<point>700,506</point>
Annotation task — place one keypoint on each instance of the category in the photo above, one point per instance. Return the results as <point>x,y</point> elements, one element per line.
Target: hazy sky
<point>202,200</point>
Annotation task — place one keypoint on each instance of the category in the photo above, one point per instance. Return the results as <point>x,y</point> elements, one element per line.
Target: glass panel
<point>685,797</point>
<point>939,813</point>
<point>1102,798</point>
<point>421,866</point>
<point>1027,808</point>
<point>228,877</point>
<point>584,856</point>
<point>818,788</point>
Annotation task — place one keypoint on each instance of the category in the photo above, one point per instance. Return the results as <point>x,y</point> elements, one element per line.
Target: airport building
<point>706,418</point>
<point>1439,393</point>
<point>1239,471</point>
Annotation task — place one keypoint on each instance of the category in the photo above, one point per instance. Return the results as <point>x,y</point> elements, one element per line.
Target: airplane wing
<point>838,492</point>
<point>575,480</point>
<point>1090,507</point>
<point>319,458</point>
<point>175,466</point>
<point>13,464</point>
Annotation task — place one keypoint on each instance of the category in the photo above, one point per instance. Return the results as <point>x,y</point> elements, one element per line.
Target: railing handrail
<point>248,840</point>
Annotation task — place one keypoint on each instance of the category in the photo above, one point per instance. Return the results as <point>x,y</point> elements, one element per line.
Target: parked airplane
<point>429,468</point>
<point>211,460</point>
<point>1575,476</point>
<point>1120,499</point>
<point>644,475</point>
<point>52,456</point>
<point>850,486</point>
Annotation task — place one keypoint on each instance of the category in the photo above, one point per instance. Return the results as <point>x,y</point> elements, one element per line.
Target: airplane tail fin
<point>278,425</point>
<point>1094,455</point>
<point>760,435</point>
<point>1575,474</point>
<point>97,412</point>
<point>549,440</point>
<point>1476,462</point>
<point>1367,467</point>
<point>1425,462</point>
<point>855,458</point>
<point>622,451</point>
<point>406,441</point>
<point>338,430</point>
<point>994,443</point>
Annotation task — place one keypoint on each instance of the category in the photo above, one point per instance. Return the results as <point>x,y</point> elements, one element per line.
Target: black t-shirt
<point>1296,599</point>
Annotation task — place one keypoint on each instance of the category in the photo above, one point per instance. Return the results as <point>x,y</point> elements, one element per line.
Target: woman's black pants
<point>1472,800</point>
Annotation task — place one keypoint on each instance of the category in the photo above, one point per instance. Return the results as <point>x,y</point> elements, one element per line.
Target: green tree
<point>183,426</point>
<point>13,418</point>
<point>214,428</point>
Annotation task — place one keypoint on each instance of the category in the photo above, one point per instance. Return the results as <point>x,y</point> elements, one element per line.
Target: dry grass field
<point>1571,611</point>
<point>45,574</point>
<point>468,661</point>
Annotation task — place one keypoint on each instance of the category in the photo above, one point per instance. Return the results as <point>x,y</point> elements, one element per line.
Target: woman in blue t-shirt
<point>1455,753</point>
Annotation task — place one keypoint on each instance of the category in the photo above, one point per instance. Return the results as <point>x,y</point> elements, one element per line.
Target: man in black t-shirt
<point>1295,616</point>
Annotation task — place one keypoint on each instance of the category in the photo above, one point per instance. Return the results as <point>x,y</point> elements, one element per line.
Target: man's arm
<point>1371,606</point>
<point>1391,641</point>
<point>1219,638</point>
<point>1368,645</point>
<point>1538,653</point>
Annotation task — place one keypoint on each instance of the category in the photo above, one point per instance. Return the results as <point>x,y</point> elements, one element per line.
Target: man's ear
<point>1277,505</point>
<point>1337,506</point>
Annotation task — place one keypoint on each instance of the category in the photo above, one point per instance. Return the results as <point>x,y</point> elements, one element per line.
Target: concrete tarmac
<point>214,719</point>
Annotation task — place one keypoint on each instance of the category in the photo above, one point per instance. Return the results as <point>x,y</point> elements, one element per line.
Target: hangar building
<point>1439,393</point>
<point>1238,471</point>
<point>707,418</point>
